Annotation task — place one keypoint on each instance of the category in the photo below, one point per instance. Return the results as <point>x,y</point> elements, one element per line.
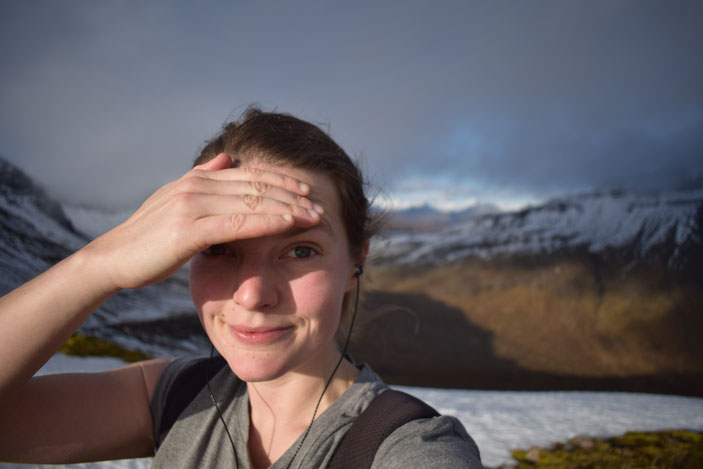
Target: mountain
<point>598,291</point>
<point>635,227</point>
<point>35,233</point>
<point>428,218</point>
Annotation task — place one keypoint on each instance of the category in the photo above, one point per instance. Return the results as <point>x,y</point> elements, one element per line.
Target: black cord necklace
<point>319,401</point>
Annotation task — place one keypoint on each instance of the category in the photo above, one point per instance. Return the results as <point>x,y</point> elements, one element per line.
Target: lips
<point>259,335</point>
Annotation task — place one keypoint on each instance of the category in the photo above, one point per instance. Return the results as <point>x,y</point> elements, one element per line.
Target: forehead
<point>322,189</point>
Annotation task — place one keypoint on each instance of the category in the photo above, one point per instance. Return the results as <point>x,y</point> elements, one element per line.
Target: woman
<point>276,223</point>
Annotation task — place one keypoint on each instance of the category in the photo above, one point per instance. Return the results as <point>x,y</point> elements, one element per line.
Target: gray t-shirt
<point>198,438</point>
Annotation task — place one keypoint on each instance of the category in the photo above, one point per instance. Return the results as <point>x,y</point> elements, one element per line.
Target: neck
<point>294,395</point>
<point>282,409</point>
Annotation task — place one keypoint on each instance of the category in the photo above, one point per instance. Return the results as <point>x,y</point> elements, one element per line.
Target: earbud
<point>358,270</point>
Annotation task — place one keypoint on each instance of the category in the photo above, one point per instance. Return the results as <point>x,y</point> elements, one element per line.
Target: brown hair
<point>286,140</point>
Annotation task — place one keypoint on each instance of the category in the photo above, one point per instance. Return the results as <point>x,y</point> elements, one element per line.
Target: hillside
<point>597,291</point>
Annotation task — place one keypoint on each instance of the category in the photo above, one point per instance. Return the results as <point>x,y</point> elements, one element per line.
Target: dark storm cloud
<point>535,97</point>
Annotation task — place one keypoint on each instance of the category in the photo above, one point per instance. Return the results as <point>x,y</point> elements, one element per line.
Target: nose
<point>256,288</point>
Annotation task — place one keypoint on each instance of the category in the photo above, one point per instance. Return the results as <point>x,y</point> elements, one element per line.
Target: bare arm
<point>77,417</point>
<point>106,415</point>
<point>39,316</point>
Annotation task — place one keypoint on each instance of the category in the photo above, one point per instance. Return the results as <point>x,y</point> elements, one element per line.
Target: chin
<point>254,371</point>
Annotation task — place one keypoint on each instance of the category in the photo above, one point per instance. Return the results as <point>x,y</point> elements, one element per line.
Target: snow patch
<point>499,420</point>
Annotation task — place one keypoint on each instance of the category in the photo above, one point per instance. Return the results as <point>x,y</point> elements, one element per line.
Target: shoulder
<point>440,441</point>
<point>179,383</point>
<point>183,371</point>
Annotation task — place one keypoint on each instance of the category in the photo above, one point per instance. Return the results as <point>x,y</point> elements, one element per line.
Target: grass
<point>85,346</point>
<point>663,449</point>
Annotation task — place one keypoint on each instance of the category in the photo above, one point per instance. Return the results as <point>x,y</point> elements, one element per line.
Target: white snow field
<point>498,420</point>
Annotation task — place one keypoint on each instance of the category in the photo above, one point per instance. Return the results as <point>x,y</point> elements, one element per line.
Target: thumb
<point>221,161</point>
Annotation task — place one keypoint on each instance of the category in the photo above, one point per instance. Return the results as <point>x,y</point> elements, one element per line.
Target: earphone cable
<point>339,362</point>
<point>319,401</point>
<point>219,412</point>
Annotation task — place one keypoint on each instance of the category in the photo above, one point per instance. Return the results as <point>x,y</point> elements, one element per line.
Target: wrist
<point>93,269</point>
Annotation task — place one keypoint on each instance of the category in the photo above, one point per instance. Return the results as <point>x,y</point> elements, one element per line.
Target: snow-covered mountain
<point>35,233</point>
<point>635,226</point>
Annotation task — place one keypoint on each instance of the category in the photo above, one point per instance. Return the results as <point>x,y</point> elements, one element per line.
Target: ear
<point>359,261</point>
<point>364,253</point>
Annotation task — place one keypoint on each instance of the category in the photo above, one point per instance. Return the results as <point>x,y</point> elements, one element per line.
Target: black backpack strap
<point>387,412</point>
<point>179,390</point>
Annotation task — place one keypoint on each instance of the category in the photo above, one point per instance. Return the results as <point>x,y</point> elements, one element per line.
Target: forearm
<point>38,317</point>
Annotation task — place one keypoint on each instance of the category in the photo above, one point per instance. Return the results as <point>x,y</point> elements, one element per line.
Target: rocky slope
<point>35,233</point>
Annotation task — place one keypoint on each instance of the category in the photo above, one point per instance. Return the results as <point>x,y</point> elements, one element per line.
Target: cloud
<point>104,101</point>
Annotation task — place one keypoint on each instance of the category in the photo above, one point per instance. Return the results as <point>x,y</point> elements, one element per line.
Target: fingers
<point>213,169</point>
<point>225,229</point>
<point>252,191</point>
<point>216,189</point>
<point>257,177</point>
<point>211,204</point>
<point>198,206</point>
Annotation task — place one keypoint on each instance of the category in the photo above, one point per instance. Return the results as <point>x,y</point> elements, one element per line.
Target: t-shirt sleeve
<point>186,375</point>
<point>427,443</point>
<point>163,386</point>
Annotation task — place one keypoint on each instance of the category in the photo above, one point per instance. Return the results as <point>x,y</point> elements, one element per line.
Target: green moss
<point>84,346</point>
<point>665,449</point>
<point>519,455</point>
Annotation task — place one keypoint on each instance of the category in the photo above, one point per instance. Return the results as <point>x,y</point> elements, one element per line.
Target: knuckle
<point>252,201</point>
<point>236,222</point>
<point>252,173</point>
<point>189,184</point>
<point>259,186</point>
<point>183,200</point>
<point>302,201</point>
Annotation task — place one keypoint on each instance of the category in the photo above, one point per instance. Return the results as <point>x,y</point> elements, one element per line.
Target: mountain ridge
<point>594,222</point>
<point>553,296</point>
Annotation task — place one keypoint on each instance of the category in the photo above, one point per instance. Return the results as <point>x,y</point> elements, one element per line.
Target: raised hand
<point>211,204</point>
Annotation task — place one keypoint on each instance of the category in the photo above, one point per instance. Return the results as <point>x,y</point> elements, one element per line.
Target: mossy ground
<point>85,346</point>
<point>662,449</point>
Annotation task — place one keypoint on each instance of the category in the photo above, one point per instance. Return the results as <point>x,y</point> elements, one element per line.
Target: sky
<point>450,103</point>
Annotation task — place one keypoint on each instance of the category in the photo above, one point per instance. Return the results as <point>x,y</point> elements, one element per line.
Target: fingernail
<point>287,216</point>
<point>313,213</point>
<point>318,208</point>
<point>304,187</point>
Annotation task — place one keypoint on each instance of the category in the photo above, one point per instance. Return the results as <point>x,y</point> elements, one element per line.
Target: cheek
<point>318,296</point>
<point>206,286</point>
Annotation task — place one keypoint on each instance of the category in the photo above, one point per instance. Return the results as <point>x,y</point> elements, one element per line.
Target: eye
<point>216,250</point>
<point>301,252</point>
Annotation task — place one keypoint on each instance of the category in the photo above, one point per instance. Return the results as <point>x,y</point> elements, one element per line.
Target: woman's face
<point>272,305</point>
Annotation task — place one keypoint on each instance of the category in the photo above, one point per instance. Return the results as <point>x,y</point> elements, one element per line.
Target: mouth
<point>259,335</point>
